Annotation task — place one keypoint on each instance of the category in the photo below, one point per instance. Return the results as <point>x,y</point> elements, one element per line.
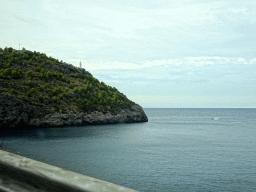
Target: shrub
<point>110,93</point>
<point>23,50</point>
<point>43,55</point>
<point>29,74</point>
<point>38,58</point>
<point>17,59</point>
<point>38,69</point>
<point>65,95</point>
<point>56,99</point>
<point>71,85</point>
<point>56,91</point>
<point>20,72</point>
<point>30,61</point>
<point>13,91</point>
<point>42,98</point>
<point>23,82</point>
<point>48,75</point>
<point>75,90</point>
<point>25,56</point>
<point>12,54</point>
<point>63,78</point>
<point>9,49</point>
<point>114,89</point>
<point>5,50</point>
<point>47,85</point>
<point>16,73</point>
<point>7,71</point>
<point>8,65</point>
<point>30,84</point>
<point>0,64</point>
<point>31,92</point>
<point>41,87</point>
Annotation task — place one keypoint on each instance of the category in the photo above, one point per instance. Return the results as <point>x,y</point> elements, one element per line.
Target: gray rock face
<point>14,112</point>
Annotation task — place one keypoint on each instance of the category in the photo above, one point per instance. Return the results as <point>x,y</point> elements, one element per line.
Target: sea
<point>178,149</point>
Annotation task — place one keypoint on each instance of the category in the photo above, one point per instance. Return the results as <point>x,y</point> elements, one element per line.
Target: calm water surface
<point>177,150</point>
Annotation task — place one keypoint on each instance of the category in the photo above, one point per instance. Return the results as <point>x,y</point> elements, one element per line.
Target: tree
<point>38,69</point>
<point>38,58</point>
<point>13,91</point>
<point>42,98</point>
<point>30,61</point>
<point>10,49</point>
<point>30,84</point>
<point>5,50</point>
<point>29,74</point>
<point>71,85</point>
<point>56,100</point>
<point>41,87</point>
<point>16,73</point>
<point>56,91</point>
<point>7,71</point>
<point>8,65</point>
<point>75,90</point>
<point>31,92</point>
<point>43,64</point>
<point>108,101</point>
<point>23,50</point>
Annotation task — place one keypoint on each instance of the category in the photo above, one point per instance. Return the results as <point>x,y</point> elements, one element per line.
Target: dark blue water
<point>177,150</point>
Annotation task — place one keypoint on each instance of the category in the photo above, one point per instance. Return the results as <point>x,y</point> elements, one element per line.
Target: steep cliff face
<point>15,113</point>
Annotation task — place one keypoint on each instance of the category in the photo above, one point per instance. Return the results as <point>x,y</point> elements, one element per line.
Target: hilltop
<point>41,91</point>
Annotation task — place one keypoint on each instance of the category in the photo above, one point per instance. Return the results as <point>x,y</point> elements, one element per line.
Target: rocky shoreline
<point>135,115</point>
<point>15,113</point>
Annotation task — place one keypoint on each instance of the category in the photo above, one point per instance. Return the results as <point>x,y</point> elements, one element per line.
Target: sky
<point>159,53</point>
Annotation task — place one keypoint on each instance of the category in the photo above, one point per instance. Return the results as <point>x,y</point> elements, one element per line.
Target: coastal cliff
<point>40,91</point>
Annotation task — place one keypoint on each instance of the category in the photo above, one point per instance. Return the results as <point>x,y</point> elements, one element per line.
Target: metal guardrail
<point>18,173</point>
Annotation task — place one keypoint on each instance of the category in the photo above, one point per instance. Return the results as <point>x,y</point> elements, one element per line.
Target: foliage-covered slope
<point>58,87</point>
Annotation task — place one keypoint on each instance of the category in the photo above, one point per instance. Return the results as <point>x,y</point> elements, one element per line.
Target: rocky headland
<point>16,113</point>
<point>37,91</point>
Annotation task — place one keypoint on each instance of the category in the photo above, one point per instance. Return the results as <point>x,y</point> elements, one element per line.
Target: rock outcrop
<point>15,113</point>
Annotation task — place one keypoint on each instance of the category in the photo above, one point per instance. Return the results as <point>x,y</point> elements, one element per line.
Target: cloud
<point>170,64</point>
<point>130,34</point>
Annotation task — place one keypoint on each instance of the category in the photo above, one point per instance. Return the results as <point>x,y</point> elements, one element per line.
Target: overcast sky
<point>159,53</point>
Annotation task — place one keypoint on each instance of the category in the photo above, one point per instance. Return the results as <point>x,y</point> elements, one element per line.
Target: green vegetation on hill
<point>45,81</point>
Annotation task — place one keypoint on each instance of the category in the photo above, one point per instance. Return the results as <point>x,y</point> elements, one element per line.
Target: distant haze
<point>159,53</point>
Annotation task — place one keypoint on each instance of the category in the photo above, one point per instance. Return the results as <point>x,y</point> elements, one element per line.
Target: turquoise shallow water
<point>177,150</point>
